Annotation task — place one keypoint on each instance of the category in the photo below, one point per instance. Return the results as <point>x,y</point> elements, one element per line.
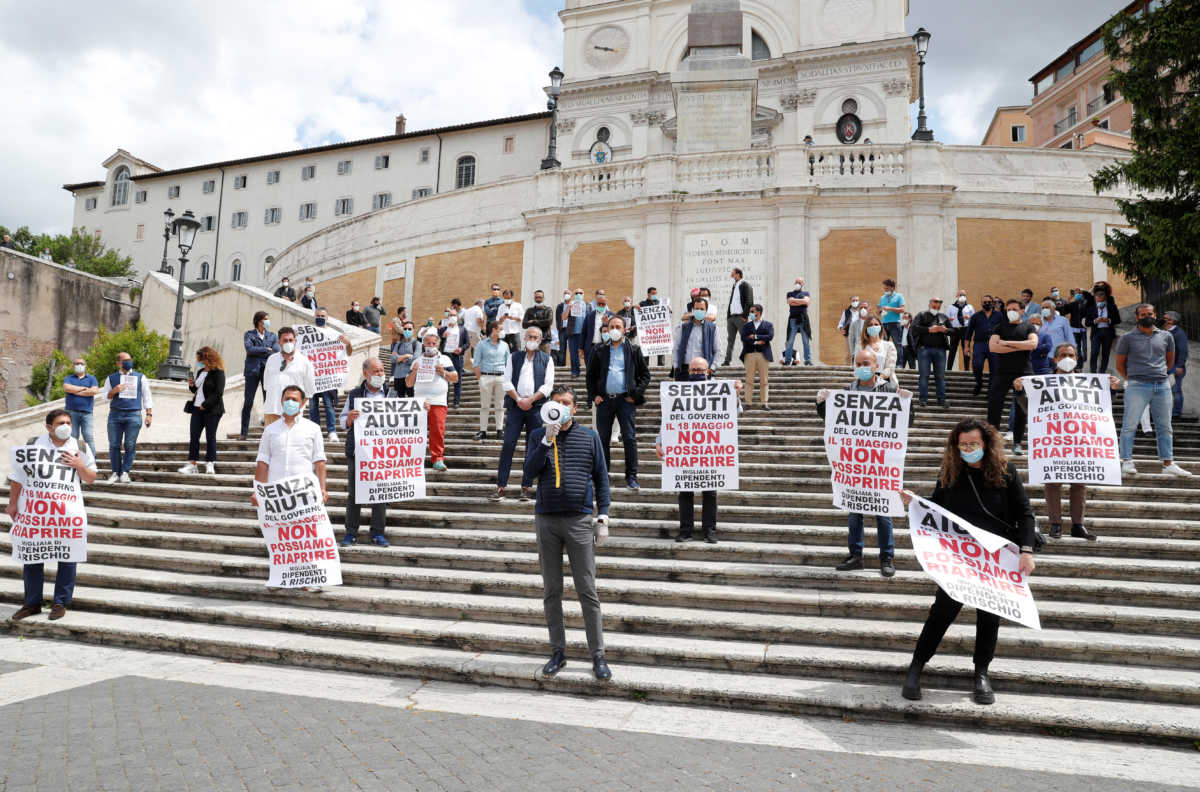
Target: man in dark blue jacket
<point>757,335</point>
<point>528,379</point>
<point>568,461</point>
<point>695,337</point>
<point>1179,367</point>
<point>979,329</point>
<point>617,378</point>
<point>374,386</point>
<point>260,344</point>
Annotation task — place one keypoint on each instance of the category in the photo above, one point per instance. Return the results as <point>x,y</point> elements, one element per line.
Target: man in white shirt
<point>960,314</point>
<point>528,379</point>
<point>129,395</point>
<point>282,369</point>
<point>510,315</point>
<point>475,323</point>
<point>430,380</point>
<point>58,435</point>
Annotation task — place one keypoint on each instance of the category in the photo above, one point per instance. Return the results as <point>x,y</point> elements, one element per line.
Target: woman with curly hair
<point>206,408</point>
<point>978,484</point>
<point>1102,316</point>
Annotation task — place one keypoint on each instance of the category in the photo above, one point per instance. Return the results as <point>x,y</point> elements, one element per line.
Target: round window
<point>850,106</point>
<point>602,134</point>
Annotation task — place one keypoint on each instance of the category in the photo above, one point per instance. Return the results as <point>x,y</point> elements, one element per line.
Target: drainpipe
<point>438,183</point>
<point>217,243</point>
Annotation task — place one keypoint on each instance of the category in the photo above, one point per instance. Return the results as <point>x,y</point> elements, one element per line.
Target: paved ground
<point>89,718</point>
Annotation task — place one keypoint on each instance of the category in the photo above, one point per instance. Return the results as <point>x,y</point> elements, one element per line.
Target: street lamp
<point>556,78</point>
<point>184,227</point>
<point>921,39</point>
<point>166,268</point>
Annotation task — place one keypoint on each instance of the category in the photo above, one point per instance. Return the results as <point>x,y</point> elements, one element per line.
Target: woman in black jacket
<point>206,408</point>
<point>977,483</point>
<point>1102,316</point>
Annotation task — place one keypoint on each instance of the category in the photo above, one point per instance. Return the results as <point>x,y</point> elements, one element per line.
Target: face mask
<point>863,373</point>
<point>321,321</point>
<point>285,283</point>
<point>602,307</point>
<point>1146,321</point>
<point>508,302</point>
<point>308,292</point>
<point>430,351</point>
<point>1100,302</point>
<point>654,299</point>
<point>863,313</point>
<point>199,364</point>
<point>62,431</point>
<point>1078,297</point>
<point>1054,294</point>
<point>615,335</point>
<point>971,457</point>
<point>532,345</point>
<point>429,323</point>
<point>1014,316</point>
<point>1046,313</point>
<point>627,303</point>
<point>799,284</point>
<point>699,313</point>
<point>375,381</point>
<point>288,347</point>
<point>127,365</point>
<point>1067,364</point>
<point>566,297</point>
<point>454,318</point>
<point>961,300</point>
<point>904,322</point>
<point>80,369</point>
<point>445,313</point>
<point>291,407</point>
<point>697,377</point>
<point>873,330</point>
<point>579,297</point>
<point>753,317</point>
<point>854,303</point>
<point>408,333</point>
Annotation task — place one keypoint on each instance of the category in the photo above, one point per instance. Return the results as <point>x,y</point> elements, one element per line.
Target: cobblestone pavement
<point>138,733</point>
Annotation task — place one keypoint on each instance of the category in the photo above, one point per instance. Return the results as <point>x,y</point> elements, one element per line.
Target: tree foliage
<point>1156,57</point>
<point>82,249</point>
<point>147,348</point>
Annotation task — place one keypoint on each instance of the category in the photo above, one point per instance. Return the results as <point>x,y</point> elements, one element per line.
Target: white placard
<point>950,551</point>
<point>390,438</point>
<point>299,537</point>
<point>866,439</point>
<point>331,365</point>
<point>654,329</point>
<point>130,391</point>
<point>426,369</point>
<point>51,524</point>
<point>1072,434</point>
<point>709,258</point>
<point>699,436</point>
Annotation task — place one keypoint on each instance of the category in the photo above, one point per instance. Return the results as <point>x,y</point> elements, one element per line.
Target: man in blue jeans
<point>528,379</point>
<point>260,344</point>
<point>1144,358</point>
<point>81,389</point>
<point>129,394</point>
<point>932,331</point>
<point>1181,355</point>
<point>798,300</point>
<point>891,306</point>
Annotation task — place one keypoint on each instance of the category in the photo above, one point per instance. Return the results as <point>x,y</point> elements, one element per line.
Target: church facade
<point>770,135</point>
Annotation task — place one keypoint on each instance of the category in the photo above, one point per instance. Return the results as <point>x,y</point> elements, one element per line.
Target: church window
<point>120,195</point>
<point>758,47</point>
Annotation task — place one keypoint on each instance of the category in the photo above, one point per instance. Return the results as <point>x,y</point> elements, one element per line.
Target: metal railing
<point>1066,123</point>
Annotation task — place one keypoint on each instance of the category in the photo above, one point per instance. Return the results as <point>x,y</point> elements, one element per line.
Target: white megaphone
<point>555,413</point>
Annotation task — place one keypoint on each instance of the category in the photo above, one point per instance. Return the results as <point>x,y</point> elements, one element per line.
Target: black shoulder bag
<point>1039,541</point>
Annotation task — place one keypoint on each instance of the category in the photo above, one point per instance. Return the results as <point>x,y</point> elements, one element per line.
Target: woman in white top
<point>873,338</point>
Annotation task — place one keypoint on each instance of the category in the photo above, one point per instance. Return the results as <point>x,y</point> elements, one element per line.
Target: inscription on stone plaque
<point>714,119</point>
<point>708,259</point>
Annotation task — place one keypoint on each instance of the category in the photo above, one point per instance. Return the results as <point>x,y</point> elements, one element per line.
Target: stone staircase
<point>760,621</point>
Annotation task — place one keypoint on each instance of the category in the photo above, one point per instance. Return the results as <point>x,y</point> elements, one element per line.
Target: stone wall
<point>45,306</point>
<point>853,261</point>
<point>465,274</point>
<point>1010,255</point>
<point>335,294</point>
<point>602,265</point>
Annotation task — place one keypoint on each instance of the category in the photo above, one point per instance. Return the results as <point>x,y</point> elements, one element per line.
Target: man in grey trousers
<point>568,462</point>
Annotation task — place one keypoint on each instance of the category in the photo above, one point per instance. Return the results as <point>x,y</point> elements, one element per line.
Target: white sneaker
<point>125,479</point>
<point>114,478</point>
<point>210,468</point>
<point>1008,437</point>
<point>189,469</point>
<point>1127,468</point>
<point>333,437</point>
<point>1017,450</point>
<point>1174,470</point>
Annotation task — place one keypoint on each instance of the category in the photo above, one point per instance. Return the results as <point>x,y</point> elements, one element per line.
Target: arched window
<point>464,175</point>
<point>204,270</point>
<point>758,47</point>
<point>120,193</point>
<point>235,272</point>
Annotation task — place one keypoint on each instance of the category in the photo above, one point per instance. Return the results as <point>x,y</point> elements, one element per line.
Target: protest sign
<point>1072,435</point>
<point>130,389</point>
<point>578,307</point>
<point>295,525</point>
<point>866,438</point>
<point>426,369</point>
<point>390,437</point>
<point>699,436</point>
<point>331,365</point>
<point>654,329</point>
<point>51,524</point>
<point>955,554</point>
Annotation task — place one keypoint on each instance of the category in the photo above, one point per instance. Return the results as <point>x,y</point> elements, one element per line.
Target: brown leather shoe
<point>26,611</point>
<point>57,612</point>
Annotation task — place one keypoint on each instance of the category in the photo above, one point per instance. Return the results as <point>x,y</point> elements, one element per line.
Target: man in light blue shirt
<point>891,306</point>
<point>1056,326</point>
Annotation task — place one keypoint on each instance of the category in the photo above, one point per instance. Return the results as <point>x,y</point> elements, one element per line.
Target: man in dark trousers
<point>798,300</point>
<point>697,371</point>
<point>568,462</point>
<point>562,323</point>
<point>652,298</point>
<point>1012,344</point>
<point>933,334</point>
<point>374,386</point>
<point>979,332</point>
<point>541,316</point>
<point>741,297</point>
<point>617,378</point>
<point>695,337</point>
<point>528,379</point>
<point>260,344</point>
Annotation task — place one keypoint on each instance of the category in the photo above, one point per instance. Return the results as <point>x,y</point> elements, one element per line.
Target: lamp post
<point>184,227</point>
<point>921,39</point>
<point>556,78</point>
<point>166,268</point>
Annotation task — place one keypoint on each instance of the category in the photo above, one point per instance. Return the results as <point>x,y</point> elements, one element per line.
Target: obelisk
<point>716,87</point>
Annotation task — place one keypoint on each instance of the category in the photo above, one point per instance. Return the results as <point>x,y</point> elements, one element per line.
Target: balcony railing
<point>1095,105</point>
<point>611,182</point>
<point>1066,123</point>
<point>855,161</point>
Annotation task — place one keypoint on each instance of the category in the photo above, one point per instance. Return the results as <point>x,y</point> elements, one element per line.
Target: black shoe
<point>683,537</point>
<point>499,434</point>
<point>983,689</point>
<point>557,660</point>
<point>600,668</point>
<point>942,403</point>
<point>632,483</point>
<point>1079,532</point>
<point>978,388</point>
<point>1056,530</point>
<point>481,435</point>
<point>886,568</point>
<point>923,403</point>
<point>710,535</point>
<point>851,562</point>
<point>912,682</point>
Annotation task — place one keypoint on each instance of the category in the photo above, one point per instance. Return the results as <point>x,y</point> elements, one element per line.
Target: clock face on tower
<point>606,47</point>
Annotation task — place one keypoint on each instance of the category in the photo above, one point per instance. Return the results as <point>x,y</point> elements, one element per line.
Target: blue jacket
<point>582,472</point>
<point>589,331</point>
<point>1039,360</point>
<point>981,326</point>
<point>491,306</point>
<point>708,346</point>
<point>258,350</point>
<point>765,334</point>
<point>1181,346</point>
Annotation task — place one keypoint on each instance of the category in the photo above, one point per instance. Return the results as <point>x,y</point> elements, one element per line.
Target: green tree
<point>1156,57</point>
<point>41,372</point>
<point>85,250</point>
<point>147,348</point>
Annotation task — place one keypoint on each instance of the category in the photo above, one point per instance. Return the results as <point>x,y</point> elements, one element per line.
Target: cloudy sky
<point>235,78</point>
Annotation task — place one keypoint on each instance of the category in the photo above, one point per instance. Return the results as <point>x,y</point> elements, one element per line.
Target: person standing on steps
<point>697,371</point>
<point>453,344</point>
<point>404,353</point>
<point>260,344</point>
<point>511,314</point>
<point>1144,358</point>
<point>129,394</point>
<point>695,338</point>
<point>741,298</point>
<point>327,398</point>
<point>960,315</point>
<point>58,435</point>
<point>205,409</point>
<point>933,335</point>
<point>978,484</point>
<point>844,326</point>
<point>577,316</point>
<point>373,315</point>
<point>798,300</point>
<point>541,316</point>
<point>874,340</point>
<point>432,389</point>
<point>81,389</point>
<point>1103,316</point>
<point>562,325</point>
<point>1012,343</point>
<point>891,306</point>
<point>289,447</point>
<point>284,368</point>
<point>491,356</point>
<point>285,291</point>
<point>982,325</point>
<point>617,378</point>
<point>652,299</point>
<point>528,379</point>
<point>1180,366</point>
<point>757,335</point>
<point>594,326</point>
<point>373,386</point>
<point>567,460</point>
<point>355,316</point>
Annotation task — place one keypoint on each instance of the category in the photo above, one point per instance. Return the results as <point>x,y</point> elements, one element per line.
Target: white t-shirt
<point>71,445</point>
<point>298,372</point>
<point>512,316</point>
<point>291,451</point>
<point>199,400</point>
<point>473,319</point>
<point>968,311</point>
<point>434,392</point>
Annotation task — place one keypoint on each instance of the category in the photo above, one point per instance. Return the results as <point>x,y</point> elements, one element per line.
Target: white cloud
<point>199,82</point>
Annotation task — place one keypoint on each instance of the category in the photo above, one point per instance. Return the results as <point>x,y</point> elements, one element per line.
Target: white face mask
<point>62,431</point>
<point>863,313</point>
<point>288,347</point>
<point>1014,316</point>
<point>615,335</point>
<point>961,299</point>
<point>430,351</point>
<point>566,298</point>
<point>854,303</point>
<point>1067,364</point>
<point>375,381</point>
<point>79,369</point>
<point>531,345</point>
<point>628,303</point>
